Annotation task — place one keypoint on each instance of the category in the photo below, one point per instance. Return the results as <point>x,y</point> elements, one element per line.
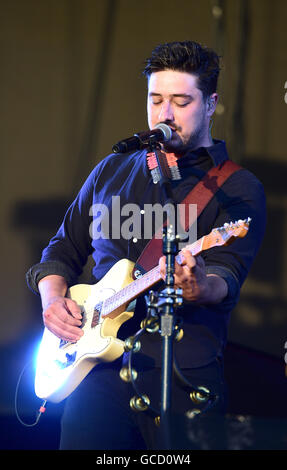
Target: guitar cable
<point>42,408</point>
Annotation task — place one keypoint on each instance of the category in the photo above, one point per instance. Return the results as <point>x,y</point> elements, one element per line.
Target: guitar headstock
<point>219,237</point>
<point>227,233</point>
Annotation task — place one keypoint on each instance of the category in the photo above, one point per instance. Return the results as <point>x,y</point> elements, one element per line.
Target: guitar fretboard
<point>131,291</point>
<point>137,287</point>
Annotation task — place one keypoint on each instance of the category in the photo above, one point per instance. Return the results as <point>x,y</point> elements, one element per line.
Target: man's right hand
<point>63,317</point>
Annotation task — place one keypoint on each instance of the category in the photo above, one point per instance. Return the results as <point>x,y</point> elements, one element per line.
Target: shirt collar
<point>217,152</point>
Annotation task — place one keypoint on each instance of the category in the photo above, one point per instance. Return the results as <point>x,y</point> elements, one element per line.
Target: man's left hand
<point>196,285</point>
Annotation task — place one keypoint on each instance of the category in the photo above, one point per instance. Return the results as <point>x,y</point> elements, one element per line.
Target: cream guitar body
<point>62,366</point>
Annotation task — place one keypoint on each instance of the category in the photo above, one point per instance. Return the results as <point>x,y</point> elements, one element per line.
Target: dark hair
<point>186,56</point>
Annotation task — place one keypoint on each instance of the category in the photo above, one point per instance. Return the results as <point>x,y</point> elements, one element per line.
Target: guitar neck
<point>140,285</point>
<point>217,237</point>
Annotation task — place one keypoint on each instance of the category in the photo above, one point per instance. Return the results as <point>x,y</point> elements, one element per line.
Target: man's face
<point>173,98</point>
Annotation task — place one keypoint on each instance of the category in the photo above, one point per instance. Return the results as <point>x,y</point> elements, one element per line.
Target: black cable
<point>42,408</point>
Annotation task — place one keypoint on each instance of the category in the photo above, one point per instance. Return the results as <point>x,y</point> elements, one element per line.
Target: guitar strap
<point>200,195</point>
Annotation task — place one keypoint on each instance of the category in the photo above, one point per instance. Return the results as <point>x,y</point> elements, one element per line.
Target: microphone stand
<point>168,300</point>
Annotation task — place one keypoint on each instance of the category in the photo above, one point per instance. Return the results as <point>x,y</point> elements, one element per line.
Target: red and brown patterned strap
<point>200,195</point>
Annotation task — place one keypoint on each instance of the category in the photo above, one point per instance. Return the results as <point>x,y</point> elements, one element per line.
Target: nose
<point>166,112</point>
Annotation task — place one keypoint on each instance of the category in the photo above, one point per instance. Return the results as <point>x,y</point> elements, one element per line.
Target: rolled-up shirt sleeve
<point>232,282</point>
<point>46,268</point>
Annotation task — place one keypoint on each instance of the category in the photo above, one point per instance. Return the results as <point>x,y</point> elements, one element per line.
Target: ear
<point>211,103</point>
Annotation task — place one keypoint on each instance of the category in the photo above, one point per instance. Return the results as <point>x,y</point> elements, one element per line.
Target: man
<point>182,79</point>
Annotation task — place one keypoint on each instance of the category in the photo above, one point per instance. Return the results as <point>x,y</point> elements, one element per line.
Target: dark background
<point>70,87</point>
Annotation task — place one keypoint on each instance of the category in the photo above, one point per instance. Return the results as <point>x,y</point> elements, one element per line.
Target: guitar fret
<point>197,246</point>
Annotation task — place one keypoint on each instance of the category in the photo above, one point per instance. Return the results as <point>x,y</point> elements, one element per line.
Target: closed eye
<point>182,105</point>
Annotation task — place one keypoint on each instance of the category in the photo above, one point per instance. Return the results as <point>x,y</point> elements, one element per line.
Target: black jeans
<point>98,415</point>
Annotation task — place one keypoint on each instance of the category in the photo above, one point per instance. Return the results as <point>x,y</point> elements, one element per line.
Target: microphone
<point>161,133</point>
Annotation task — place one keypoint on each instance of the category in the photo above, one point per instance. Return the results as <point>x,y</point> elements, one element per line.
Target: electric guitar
<point>62,365</point>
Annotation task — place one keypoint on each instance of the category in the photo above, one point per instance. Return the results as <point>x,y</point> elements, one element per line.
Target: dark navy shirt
<point>128,176</point>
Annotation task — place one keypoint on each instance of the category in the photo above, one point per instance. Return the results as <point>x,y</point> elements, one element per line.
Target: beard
<point>181,144</point>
